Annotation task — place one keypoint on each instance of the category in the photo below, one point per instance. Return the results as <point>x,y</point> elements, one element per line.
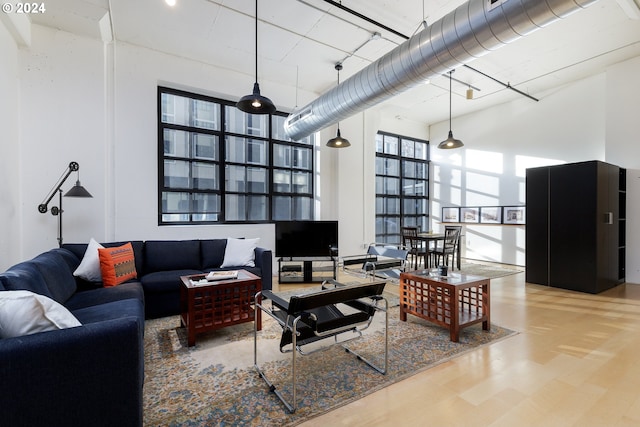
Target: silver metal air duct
<point>471,31</point>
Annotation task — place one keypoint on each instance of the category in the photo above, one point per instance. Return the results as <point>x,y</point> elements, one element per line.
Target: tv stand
<point>306,269</point>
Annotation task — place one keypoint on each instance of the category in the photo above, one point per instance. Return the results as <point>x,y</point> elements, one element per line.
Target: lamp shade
<point>256,103</point>
<point>450,142</point>
<point>78,191</point>
<point>338,142</point>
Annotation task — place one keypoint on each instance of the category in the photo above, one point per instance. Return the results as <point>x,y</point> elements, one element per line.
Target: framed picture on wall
<point>470,214</point>
<point>513,214</point>
<point>491,215</point>
<point>450,214</point>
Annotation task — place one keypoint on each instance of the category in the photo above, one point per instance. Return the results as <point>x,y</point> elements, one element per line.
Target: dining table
<point>428,237</point>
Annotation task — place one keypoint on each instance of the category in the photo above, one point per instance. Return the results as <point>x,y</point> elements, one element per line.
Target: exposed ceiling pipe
<point>471,31</point>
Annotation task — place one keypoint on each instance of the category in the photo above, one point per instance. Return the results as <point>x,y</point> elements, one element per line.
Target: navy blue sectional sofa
<point>93,374</point>
<point>160,263</point>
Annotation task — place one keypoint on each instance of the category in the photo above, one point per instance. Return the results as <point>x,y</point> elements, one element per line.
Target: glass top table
<point>454,301</point>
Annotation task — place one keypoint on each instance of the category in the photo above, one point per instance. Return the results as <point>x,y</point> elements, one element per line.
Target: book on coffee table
<point>222,275</point>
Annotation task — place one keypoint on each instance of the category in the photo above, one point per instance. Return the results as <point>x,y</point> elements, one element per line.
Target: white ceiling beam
<point>19,26</point>
<point>631,8</point>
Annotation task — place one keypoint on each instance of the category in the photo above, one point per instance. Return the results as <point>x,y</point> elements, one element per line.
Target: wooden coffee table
<point>455,301</point>
<point>217,304</point>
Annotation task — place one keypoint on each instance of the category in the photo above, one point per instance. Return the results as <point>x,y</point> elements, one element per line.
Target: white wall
<point>566,125</point>
<point>11,187</point>
<point>592,119</point>
<point>623,148</point>
<point>62,109</point>
<point>354,174</point>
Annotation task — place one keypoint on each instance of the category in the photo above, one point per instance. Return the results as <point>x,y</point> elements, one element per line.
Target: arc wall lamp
<point>76,191</point>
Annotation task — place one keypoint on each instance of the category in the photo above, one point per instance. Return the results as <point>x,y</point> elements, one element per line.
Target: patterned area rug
<point>214,383</point>
<point>492,271</point>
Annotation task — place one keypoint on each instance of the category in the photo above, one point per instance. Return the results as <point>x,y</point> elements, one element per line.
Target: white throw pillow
<point>240,253</point>
<point>24,313</point>
<point>89,268</point>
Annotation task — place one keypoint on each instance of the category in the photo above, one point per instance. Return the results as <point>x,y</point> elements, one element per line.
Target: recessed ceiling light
<point>171,2</point>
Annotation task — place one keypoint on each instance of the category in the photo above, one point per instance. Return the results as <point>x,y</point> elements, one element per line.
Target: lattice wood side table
<point>455,301</point>
<point>217,304</point>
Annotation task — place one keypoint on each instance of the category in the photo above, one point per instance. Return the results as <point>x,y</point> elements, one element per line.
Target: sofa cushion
<point>69,257</point>
<point>25,276</point>
<point>111,311</point>
<point>117,265</point>
<point>56,274</point>
<point>89,268</point>
<point>240,252</point>
<point>24,313</point>
<point>165,281</point>
<point>129,290</point>
<point>168,255</point>
<point>212,252</point>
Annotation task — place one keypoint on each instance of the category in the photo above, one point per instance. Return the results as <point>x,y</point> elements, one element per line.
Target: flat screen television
<point>306,238</point>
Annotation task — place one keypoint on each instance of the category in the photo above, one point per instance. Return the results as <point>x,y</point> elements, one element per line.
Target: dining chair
<point>449,246</point>
<point>415,246</point>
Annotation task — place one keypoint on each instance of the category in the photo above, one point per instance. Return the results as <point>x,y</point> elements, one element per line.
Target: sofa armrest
<point>264,260</point>
<point>87,375</point>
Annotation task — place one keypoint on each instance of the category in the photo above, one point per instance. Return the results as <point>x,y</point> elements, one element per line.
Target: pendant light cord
<point>450,100</point>
<point>256,41</point>
<point>338,67</point>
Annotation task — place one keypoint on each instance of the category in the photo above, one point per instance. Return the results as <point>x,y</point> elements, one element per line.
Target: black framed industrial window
<point>217,164</point>
<point>402,185</point>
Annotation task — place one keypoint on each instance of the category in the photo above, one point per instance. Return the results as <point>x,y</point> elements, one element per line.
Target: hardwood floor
<point>574,362</point>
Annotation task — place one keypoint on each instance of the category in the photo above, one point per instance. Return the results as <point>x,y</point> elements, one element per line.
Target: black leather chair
<point>319,315</point>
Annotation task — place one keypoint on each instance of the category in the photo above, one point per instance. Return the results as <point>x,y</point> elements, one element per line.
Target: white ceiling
<point>301,40</point>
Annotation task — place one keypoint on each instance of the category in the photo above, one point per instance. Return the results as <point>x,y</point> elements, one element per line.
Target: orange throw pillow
<point>117,265</point>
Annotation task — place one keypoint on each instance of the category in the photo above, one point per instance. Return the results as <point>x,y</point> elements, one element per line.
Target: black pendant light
<point>450,142</point>
<point>256,103</point>
<point>338,141</point>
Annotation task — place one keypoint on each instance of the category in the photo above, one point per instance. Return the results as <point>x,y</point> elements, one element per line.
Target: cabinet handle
<point>608,218</point>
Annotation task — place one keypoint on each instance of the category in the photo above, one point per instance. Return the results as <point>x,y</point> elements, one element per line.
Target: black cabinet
<point>576,226</point>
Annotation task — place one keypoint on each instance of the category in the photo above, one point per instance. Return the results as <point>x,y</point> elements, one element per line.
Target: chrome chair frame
<point>296,322</point>
<point>382,260</point>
